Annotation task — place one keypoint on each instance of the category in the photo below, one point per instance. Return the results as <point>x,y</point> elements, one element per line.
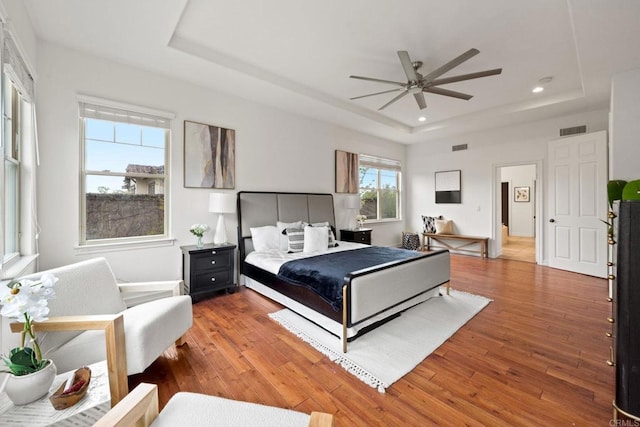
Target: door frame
<point>496,222</point>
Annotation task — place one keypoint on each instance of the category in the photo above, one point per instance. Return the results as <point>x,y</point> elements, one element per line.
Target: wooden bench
<point>444,241</point>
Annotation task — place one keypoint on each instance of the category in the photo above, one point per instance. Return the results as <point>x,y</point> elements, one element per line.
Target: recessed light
<point>537,89</point>
<point>422,118</point>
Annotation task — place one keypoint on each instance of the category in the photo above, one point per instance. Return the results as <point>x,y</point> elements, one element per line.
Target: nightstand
<point>361,235</point>
<point>208,269</point>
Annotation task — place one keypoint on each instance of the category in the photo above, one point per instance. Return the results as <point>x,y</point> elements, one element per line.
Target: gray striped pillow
<point>295,236</point>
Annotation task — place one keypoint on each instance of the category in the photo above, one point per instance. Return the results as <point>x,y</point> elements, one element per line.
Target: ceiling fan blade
<point>407,65</point>
<point>378,80</point>
<point>450,65</point>
<point>464,77</point>
<point>447,92</point>
<point>422,103</point>
<point>377,93</point>
<point>393,100</point>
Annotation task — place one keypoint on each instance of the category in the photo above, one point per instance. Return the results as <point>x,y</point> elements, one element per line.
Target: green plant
<point>27,301</point>
<point>631,190</point>
<point>614,190</point>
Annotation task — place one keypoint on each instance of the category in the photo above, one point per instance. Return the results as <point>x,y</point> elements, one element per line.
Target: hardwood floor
<point>535,356</point>
<point>519,249</point>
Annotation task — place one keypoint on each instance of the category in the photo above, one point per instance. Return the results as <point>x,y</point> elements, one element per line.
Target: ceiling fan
<point>417,84</point>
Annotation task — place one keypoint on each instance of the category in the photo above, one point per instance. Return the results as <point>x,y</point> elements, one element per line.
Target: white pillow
<point>265,238</point>
<point>315,239</point>
<point>284,240</point>
<point>444,226</point>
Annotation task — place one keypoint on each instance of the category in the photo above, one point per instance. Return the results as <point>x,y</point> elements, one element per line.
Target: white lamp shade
<point>352,203</point>
<point>222,203</point>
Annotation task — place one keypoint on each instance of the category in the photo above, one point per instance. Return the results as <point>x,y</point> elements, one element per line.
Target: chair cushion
<point>149,329</point>
<point>192,409</point>
<point>87,287</point>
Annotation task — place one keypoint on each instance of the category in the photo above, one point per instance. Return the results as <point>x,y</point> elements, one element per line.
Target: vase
<point>199,242</point>
<point>25,389</point>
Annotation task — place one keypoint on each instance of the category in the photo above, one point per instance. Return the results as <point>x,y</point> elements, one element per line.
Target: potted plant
<point>26,301</point>
<point>198,230</point>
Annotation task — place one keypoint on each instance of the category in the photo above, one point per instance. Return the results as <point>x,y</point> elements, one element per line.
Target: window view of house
<point>124,175</point>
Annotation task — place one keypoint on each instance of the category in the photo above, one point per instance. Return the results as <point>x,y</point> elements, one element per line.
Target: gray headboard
<point>256,209</point>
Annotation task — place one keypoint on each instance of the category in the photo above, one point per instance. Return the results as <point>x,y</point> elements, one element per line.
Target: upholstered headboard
<point>256,209</point>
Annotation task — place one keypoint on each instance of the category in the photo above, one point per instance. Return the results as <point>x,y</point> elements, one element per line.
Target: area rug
<point>384,355</point>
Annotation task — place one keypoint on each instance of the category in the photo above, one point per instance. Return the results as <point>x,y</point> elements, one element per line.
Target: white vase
<point>25,389</point>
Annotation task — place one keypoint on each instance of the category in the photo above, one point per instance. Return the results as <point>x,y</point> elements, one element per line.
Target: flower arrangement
<point>27,301</point>
<point>361,219</point>
<point>198,229</point>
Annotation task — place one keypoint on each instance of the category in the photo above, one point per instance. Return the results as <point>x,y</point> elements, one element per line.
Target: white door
<point>577,177</point>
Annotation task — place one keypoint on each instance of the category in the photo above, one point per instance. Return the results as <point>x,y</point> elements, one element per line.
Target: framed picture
<point>347,172</point>
<point>448,187</point>
<point>521,194</point>
<point>209,156</point>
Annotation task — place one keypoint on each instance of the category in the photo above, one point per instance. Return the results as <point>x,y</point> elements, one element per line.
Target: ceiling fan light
<point>537,89</point>
<point>422,118</point>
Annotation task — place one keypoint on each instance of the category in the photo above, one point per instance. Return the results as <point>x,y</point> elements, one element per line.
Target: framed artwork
<point>521,194</point>
<point>347,172</point>
<point>447,185</point>
<point>209,156</point>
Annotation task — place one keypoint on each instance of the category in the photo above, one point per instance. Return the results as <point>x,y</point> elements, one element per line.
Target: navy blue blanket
<point>324,274</point>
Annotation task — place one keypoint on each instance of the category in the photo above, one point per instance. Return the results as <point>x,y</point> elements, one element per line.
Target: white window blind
<point>16,68</point>
<point>380,163</point>
<point>120,115</point>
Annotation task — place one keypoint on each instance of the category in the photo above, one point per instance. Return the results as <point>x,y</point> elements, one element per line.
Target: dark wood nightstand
<point>208,269</point>
<point>362,235</point>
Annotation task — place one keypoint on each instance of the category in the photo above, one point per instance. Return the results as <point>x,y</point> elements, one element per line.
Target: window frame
<point>83,242</point>
<point>381,164</point>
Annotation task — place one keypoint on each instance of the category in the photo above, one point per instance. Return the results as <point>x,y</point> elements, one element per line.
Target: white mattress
<point>273,259</point>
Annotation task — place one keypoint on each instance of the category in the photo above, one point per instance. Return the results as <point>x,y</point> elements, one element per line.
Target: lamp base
<point>221,231</point>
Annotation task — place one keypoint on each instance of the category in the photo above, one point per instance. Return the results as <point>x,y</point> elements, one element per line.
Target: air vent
<point>573,131</point>
<point>460,147</point>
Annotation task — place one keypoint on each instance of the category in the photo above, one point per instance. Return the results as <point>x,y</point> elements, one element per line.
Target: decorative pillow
<point>332,231</point>
<point>282,226</point>
<point>444,226</point>
<point>265,238</point>
<point>315,239</point>
<point>429,224</point>
<point>295,239</point>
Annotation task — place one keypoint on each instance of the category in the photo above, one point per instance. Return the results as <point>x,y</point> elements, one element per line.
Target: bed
<point>369,296</point>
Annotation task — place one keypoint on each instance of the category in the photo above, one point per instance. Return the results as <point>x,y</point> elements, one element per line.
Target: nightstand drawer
<point>212,259</point>
<point>356,236</point>
<point>218,279</point>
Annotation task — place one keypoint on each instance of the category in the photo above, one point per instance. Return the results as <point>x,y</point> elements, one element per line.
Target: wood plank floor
<point>534,357</point>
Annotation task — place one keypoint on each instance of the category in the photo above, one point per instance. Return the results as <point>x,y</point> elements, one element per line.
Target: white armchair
<point>86,293</point>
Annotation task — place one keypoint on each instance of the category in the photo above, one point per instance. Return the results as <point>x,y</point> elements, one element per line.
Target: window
<point>12,142</point>
<point>124,174</point>
<point>379,188</point>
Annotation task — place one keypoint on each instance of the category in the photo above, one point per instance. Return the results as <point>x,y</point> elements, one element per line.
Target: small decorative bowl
<point>79,386</point>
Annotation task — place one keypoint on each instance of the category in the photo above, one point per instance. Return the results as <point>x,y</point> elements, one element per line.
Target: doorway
<point>517,221</point>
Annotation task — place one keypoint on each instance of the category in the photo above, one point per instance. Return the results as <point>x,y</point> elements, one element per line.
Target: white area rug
<point>384,355</point>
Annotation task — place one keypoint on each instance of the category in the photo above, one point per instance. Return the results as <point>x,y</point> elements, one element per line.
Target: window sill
<point>381,221</point>
<point>113,247</point>
<point>18,266</point>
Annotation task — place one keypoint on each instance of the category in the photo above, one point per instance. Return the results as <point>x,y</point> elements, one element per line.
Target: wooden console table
<point>444,240</point>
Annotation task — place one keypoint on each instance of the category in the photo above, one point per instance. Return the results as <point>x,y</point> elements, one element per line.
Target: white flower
<point>198,229</point>
<point>361,218</point>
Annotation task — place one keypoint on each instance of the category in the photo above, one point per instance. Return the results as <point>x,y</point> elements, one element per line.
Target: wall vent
<point>459,147</point>
<point>573,130</point>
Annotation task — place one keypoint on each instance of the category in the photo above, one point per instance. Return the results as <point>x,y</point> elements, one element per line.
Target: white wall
<point>275,150</point>
<point>487,151</point>
<point>625,126</point>
<point>521,222</point>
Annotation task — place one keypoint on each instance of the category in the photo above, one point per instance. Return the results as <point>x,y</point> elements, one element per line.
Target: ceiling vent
<point>460,147</point>
<point>573,130</point>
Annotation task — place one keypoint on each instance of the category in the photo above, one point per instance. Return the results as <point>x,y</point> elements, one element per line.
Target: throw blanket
<point>324,274</point>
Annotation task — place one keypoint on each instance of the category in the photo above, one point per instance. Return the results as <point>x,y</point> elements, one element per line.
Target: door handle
<point>552,220</point>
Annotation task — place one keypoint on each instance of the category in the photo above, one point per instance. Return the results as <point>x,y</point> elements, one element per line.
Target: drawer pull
<point>213,261</point>
<point>611,320</point>
<point>213,279</point>
<point>213,252</point>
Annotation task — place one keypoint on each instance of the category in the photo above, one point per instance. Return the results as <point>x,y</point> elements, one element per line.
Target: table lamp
<point>221,203</point>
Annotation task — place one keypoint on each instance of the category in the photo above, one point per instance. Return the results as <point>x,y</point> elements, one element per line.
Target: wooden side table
<point>41,412</point>
<point>358,235</point>
<point>208,269</point>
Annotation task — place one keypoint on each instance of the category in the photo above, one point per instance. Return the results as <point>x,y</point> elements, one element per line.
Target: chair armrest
<point>175,286</point>
<point>140,408</point>
<point>113,327</point>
